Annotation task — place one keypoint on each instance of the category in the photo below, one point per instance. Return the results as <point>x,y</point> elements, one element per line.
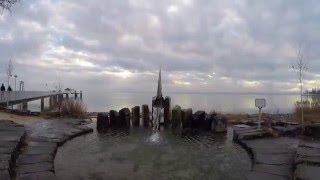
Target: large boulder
<point>176,117</point>
<point>102,121</point>
<point>145,115</point>
<point>219,124</point>
<point>167,107</point>
<point>114,118</point>
<point>187,118</point>
<point>198,120</point>
<point>124,117</point>
<point>136,116</point>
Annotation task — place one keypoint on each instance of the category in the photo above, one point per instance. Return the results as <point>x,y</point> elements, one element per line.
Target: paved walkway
<point>43,138</point>
<point>272,157</point>
<point>307,161</point>
<point>11,138</point>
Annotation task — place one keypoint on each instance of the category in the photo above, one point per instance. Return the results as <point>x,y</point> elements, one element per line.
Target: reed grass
<point>311,111</point>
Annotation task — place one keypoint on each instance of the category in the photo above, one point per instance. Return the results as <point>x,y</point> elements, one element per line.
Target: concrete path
<point>272,157</point>
<point>43,138</point>
<point>307,160</point>
<point>11,138</point>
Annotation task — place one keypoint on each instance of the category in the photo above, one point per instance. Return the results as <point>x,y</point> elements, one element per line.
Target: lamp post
<point>15,82</point>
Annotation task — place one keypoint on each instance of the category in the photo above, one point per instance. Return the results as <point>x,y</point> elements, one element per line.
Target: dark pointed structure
<point>157,105</point>
<point>158,100</point>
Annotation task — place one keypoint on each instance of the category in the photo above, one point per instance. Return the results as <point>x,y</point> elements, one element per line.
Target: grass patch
<point>70,108</point>
<point>311,111</point>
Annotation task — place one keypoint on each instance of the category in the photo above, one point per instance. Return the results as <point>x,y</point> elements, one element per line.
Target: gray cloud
<point>202,46</point>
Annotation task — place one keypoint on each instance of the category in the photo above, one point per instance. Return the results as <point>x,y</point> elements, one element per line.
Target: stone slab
<point>307,159</point>
<point>7,150</point>
<point>36,150</point>
<point>264,176</point>
<point>274,159</point>
<point>5,144</point>
<point>31,159</point>
<point>310,144</point>
<point>46,175</point>
<point>4,165</point>
<point>305,151</point>
<point>5,157</point>
<point>36,167</point>
<point>282,170</point>
<point>38,143</point>
<point>4,175</point>
<point>307,172</point>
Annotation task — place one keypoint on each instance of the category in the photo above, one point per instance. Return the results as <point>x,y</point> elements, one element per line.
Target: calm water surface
<point>140,154</point>
<point>221,102</point>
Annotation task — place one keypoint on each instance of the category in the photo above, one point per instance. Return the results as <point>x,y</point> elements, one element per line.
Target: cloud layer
<point>202,46</point>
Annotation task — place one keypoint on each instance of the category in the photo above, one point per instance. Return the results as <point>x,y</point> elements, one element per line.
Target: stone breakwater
<point>43,138</point>
<point>177,118</point>
<point>12,136</point>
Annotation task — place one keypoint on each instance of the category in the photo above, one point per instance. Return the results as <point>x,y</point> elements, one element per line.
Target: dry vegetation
<point>311,111</point>
<point>70,108</point>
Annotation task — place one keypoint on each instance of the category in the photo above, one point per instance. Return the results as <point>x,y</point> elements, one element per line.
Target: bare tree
<point>9,71</point>
<point>7,4</point>
<point>300,67</point>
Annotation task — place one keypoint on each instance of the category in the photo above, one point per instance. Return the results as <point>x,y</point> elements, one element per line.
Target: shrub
<point>311,110</point>
<point>72,108</point>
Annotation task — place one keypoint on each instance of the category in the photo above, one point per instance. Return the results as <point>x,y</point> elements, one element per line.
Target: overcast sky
<point>201,45</point>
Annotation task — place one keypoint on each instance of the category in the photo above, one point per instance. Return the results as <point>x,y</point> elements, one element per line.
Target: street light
<point>15,82</point>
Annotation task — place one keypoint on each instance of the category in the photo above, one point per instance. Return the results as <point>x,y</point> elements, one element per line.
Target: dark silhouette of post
<point>136,116</point>
<point>42,105</point>
<point>145,115</point>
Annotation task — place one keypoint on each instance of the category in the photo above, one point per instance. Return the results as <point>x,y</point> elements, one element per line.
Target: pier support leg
<point>81,95</point>
<point>67,96</point>
<point>50,102</point>
<point>42,105</point>
<point>25,106</point>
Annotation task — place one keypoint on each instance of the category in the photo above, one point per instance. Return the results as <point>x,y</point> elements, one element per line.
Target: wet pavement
<point>307,160</point>
<point>272,157</point>
<point>42,141</point>
<point>11,138</point>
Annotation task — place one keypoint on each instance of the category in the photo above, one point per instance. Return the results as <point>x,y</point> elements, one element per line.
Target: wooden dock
<point>9,98</point>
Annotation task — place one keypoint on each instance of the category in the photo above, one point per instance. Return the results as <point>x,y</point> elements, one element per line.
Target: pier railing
<point>17,97</point>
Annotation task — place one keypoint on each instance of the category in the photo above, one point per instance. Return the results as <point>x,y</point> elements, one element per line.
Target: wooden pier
<point>9,98</point>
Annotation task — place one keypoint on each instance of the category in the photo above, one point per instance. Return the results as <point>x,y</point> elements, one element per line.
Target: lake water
<point>220,102</point>
<point>138,153</point>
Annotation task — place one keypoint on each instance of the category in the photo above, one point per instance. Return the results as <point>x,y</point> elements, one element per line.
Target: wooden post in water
<point>42,105</point>
<point>136,116</point>
<point>67,95</point>
<point>81,95</point>
<point>145,115</point>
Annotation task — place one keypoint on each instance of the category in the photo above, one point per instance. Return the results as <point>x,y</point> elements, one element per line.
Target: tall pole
<point>302,118</point>
<point>15,82</point>
<point>259,124</point>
